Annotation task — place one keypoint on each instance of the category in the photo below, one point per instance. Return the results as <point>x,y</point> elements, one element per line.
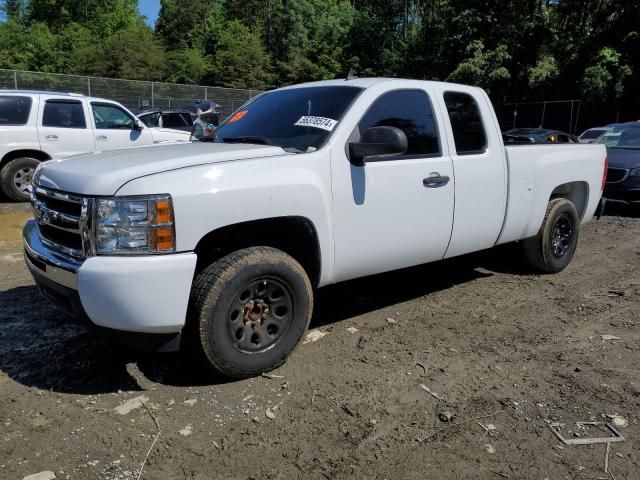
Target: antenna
<point>351,75</point>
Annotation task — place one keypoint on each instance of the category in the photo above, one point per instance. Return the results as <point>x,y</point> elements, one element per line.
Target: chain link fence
<point>134,94</point>
<point>571,116</point>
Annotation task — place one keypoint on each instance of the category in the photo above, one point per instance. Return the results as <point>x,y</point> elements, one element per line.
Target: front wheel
<point>16,176</point>
<point>249,310</point>
<point>551,250</point>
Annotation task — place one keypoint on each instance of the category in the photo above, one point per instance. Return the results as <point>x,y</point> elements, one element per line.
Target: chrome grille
<point>63,221</point>
<point>616,174</point>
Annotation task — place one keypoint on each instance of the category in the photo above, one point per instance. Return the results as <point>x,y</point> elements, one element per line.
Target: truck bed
<point>538,172</point>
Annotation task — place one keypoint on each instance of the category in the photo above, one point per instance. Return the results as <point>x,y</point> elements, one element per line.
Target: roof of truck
<point>364,82</point>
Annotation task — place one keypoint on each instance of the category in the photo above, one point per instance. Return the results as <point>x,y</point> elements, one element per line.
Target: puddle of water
<point>11,224</point>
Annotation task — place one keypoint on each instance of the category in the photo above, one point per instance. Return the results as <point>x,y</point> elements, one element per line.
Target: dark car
<point>174,118</point>
<point>537,135</point>
<point>623,154</point>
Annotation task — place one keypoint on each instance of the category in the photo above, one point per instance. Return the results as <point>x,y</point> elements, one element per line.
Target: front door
<point>393,212</point>
<point>116,128</point>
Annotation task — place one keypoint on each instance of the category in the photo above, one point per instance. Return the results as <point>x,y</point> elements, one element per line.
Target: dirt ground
<point>488,338</point>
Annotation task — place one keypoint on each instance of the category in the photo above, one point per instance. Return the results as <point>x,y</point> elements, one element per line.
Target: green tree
<point>103,17</point>
<point>310,35</point>
<point>485,68</point>
<point>241,60</point>
<point>186,24</point>
<point>13,9</point>
<point>543,73</point>
<point>606,76</point>
<point>28,49</point>
<point>187,66</point>
<point>133,53</point>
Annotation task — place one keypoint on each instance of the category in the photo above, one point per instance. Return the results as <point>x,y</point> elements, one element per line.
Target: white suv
<point>39,126</point>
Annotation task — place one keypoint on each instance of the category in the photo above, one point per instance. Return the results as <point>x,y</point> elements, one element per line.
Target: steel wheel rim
<point>259,315</point>
<point>561,236</point>
<point>22,179</point>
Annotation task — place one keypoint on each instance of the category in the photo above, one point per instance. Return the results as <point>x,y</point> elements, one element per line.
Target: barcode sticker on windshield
<point>324,123</point>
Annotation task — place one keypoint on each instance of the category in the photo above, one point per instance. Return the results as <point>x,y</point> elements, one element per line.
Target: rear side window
<point>466,123</point>
<point>63,114</point>
<point>174,120</point>
<point>150,120</point>
<point>410,111</point>
<point>14,110</point>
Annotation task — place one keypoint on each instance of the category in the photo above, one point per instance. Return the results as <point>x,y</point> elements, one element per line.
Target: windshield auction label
<point>324,123</point>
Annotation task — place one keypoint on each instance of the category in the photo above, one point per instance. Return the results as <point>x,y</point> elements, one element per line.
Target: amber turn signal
<point>162,239</point>
<point>163,211</point>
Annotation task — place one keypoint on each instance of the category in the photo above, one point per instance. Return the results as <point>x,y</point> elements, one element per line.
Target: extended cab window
<point>63,114</point>
<point>111,117</point>
<point>14,110</point>
<point>466,123</point>
<point>410,111</point>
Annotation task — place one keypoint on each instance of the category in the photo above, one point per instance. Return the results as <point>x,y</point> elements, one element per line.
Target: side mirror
<point>378,141</point>
<point>138,125</point>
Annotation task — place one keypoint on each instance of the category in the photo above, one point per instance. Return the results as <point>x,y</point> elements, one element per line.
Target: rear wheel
<point>16,177</point>
<point>249,310</point>
<point>552,249</point>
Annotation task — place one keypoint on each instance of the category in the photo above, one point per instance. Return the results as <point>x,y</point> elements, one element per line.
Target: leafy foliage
<point>516,49</point>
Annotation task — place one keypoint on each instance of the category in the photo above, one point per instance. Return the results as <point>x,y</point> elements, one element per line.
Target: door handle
<point>51,137</point>
<point>435,180</point>
<point>101,138</point>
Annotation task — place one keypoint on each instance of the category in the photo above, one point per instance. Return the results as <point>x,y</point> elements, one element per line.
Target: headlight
<point>134,225</point>
<point>635,172</point>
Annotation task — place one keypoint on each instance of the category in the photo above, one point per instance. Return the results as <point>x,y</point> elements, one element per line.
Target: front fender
<point>209,197</point>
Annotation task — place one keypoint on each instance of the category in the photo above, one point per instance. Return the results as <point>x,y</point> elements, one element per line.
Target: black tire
<point>244,335</point>
<point>16,176</point>
<point>552,249</point>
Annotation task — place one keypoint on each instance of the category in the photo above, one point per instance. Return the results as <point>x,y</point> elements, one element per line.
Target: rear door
<point>63,128</point>
<point>19,122</point>
<point>117,128</point>
<point>387,213</point>
<point>177,121</point>
<point>479,162</point>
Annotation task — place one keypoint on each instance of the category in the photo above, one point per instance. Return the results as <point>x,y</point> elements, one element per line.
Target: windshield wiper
<point>248,139</point>
<point>624,148</point>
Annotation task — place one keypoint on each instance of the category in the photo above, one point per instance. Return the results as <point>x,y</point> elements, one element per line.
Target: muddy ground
<point>494,340</point>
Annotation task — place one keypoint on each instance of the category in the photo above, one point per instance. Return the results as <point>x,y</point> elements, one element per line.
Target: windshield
<point>297,119</point>
<point>627,136</point>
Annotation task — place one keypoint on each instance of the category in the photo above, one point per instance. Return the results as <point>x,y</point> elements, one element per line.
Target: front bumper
<point>626,191</point>
<point>135,294</point>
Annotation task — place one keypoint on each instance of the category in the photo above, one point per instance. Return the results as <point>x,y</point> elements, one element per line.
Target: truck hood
<point>103,173</point>
<point>623,158</point>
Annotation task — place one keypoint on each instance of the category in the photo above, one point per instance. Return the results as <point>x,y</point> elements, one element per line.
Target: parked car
<point>623,172</point>
<point>538,135</point>
<point>38,126</point>
<point>169,119</point>
<point>592,134</point>
<point>218,247</point>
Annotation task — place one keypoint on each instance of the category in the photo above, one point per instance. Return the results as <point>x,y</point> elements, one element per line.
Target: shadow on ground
<point>43,348</point>
<point>621,210</point>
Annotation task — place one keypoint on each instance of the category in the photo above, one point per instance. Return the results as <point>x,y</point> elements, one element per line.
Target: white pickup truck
<point>217,247</point>
<point>37,126</point>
